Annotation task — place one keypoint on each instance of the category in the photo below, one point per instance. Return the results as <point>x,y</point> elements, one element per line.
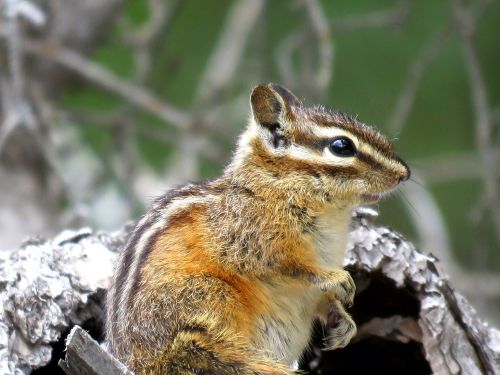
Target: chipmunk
<point>228,276</point>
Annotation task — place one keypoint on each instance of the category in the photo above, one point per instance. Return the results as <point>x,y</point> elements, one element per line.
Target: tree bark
<point>84,356</point>
<point>409,317</point>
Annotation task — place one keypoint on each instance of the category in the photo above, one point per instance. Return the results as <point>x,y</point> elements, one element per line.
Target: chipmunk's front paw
<point>341,329</point>
<point>340,283</point>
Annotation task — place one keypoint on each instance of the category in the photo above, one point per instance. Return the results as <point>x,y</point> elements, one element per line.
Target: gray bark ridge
<point>47,287</point>
<point>455,340</point>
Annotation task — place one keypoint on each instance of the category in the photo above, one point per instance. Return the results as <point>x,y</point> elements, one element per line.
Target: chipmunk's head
<point>315,152</point>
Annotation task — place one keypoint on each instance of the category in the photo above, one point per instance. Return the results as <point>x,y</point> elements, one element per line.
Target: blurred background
<point>106,103</point>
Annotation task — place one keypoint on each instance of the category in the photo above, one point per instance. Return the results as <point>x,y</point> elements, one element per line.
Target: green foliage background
<point>370,67</point>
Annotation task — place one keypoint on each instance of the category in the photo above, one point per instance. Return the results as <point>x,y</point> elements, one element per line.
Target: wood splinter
<point>84,356</point>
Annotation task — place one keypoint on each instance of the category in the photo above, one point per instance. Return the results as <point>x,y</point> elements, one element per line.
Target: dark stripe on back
<point>244,190</point>
<point>137,273</point>
<point>124,266</point>
<point>130,247</point>
<point>178,216</point>
<point>192,191</point>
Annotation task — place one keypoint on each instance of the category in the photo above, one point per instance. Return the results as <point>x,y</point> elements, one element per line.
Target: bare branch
<point>108,81</point>
<point>474,284</point>
<point>284,57</point>
<point>495,115</point>
<point>9,123</point>
<point>218,74</point>
<point>228,52</point>
<point>316,72</point>
<point>417,70</point>
<point>11,117</point>
<point>466,26</point>
<point>16,110</point>
<point>321,28</point>
<point>413,78</point>
<point>454,167</point>
<point>392,17</point>
<point>428,222</point>
<point>158,11</point>
<point>145,40</point>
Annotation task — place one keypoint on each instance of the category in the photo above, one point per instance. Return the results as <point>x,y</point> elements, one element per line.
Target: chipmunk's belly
<point>285,330</point>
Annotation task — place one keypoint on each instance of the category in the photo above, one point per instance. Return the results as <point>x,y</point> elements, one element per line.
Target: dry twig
<point>217,76</point>
<point>105,79</point>
<point>326,57</point>
<point>229,49</point>
<point>466,24</point>
<point>392,17</point>
<point>412,82</point>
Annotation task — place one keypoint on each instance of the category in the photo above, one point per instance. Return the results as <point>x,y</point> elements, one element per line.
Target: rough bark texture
<point>84,356</point>
<point>410,319</point>
<point>46,288</point>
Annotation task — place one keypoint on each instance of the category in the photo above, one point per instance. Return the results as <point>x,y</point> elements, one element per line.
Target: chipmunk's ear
<point>271,105</point>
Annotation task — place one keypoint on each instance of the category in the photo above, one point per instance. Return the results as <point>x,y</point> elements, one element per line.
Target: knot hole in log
<point>388,339</point>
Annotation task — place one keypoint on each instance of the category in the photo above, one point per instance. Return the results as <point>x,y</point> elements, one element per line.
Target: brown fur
<point>227,277</point>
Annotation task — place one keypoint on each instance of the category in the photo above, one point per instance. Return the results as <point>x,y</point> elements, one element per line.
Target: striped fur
<point>228,276</point>
<point>138,246</point>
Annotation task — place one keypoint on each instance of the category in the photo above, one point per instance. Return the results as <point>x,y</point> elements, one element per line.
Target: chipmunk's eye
<point>342,146</point>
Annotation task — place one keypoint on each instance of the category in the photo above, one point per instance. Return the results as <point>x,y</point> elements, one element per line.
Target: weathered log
<point>409,317</point>
<point>84,356</point>
<point>46,287</point>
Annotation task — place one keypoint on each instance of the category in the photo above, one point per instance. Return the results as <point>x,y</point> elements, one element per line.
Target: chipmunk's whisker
<point>408,203</point>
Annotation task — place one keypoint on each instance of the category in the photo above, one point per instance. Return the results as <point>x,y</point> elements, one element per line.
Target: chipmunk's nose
<point>407,175</point>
